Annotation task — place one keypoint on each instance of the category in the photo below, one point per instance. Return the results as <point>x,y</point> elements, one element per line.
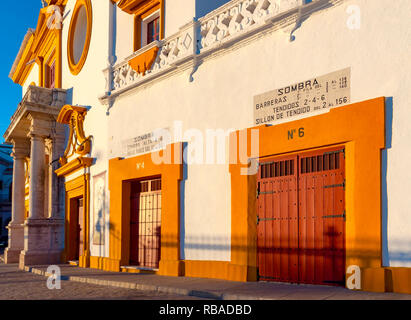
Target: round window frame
<point>76,68</point>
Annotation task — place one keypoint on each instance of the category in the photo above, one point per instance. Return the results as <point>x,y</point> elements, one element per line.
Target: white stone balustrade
<point>229,22</point>
<point>240,16</point>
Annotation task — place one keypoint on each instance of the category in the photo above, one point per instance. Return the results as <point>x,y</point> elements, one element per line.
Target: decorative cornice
<point>41,101</point>
<point>131,6</point>
<point>74,165</point>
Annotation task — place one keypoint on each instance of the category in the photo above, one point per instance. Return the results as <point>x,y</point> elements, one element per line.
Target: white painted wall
<point>221,96</point>
<point>177,14</point>
<point>222,93</point>
<point>124,34</point>
<point>32,77</point>
<point>86,87</point>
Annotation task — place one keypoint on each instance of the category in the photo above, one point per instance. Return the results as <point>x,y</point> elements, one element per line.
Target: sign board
<point>145,143</point>
<point>307,97</point>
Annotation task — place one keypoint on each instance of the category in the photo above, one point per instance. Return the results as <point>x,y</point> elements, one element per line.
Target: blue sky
<point>16,18</point>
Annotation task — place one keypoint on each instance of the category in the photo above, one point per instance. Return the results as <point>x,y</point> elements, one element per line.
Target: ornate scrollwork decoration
<point>77,143</point>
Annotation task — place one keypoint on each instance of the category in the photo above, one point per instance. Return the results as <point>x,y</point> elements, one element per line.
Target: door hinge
<point>265,219</point>
<point>336,185</point>
<point>336,216</point>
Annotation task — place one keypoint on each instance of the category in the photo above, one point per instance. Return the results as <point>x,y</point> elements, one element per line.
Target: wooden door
<point>80,227</point>
<point>145,223</point>
<point>322,217</point>
<point>301,218</point>
<point>277,214</point>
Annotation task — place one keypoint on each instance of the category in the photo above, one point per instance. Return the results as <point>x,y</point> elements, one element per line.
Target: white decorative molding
<point>173,51</point>
<point>42,101</point>
<point>241,16</point>
<point>232,23</point>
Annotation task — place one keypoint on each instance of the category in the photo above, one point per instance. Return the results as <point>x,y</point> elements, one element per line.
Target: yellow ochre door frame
<point>360,128</point>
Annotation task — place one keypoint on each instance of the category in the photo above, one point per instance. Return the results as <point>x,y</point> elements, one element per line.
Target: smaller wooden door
<point>145,223</point>
<point>277,224</point>
<point>80,227</point>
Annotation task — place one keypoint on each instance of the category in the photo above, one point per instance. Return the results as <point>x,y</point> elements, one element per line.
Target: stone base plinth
<point>16,243</point>
<point>31,258</point>
<point>43,242</point>
<point>11,256</point>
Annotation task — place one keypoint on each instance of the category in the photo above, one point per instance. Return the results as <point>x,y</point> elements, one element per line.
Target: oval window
<point>79,35</point>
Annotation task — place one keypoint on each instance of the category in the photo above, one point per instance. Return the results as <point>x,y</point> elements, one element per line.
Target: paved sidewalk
<point>213,288</point>
<point>16,284</point>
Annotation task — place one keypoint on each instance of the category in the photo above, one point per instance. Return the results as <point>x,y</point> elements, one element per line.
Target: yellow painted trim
<point>144,61</point>
<point>22,70</point>
<point>79,187</point>
<point>74,165</point>
<point>121,173</point>
<point>363,144</point>
<point>26,208</point>
<point>150,11</point>
<point>57,2</point>
<point>78,142</point>
<point>398,280</point>
<point>206,269</point>
<point>41,44</point>
<point>51,58</point>
<point>76,68</point>
<point>143,11</point>
<point>67,111</point>
<point>131,6</point>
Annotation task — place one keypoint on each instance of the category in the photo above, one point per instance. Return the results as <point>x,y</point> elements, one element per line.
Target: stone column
<point>16,228</point>
<point>37,228</point>
<point>37,174</point>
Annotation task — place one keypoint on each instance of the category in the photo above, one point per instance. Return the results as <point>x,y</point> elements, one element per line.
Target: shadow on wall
<point>384,192</point>
<point>364,253</point>
<point>401,254</point>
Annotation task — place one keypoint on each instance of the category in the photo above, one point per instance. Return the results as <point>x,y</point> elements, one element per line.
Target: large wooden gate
<point>301,218</point>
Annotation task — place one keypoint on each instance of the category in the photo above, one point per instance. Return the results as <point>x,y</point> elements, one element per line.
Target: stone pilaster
<point>56,190</point>
<point>56,183</point>
<point>16,228</point>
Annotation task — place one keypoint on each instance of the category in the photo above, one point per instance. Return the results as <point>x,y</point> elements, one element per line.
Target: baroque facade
<point>245,140</point>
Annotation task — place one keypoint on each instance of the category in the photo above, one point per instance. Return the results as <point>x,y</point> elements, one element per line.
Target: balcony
<point>39,101</point>
<point>237,22</point>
